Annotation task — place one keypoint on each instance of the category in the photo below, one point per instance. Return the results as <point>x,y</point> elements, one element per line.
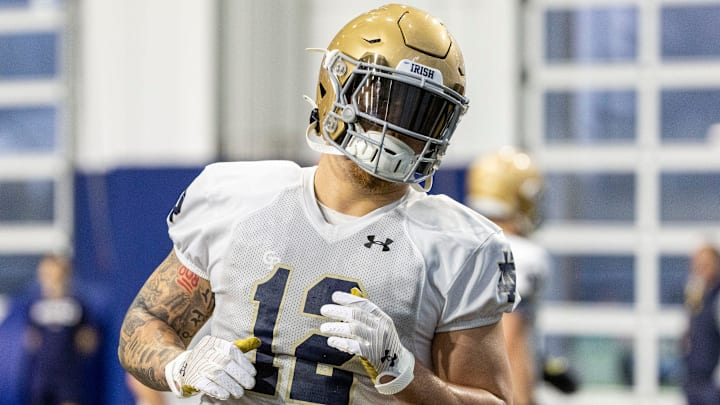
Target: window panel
<point>35,4</point>
<point>589,197</point>
<point>597,360</point>
<point>588,117</point>
<point>673,275</point>
<point>614,39</point>
<point>686,115</point>
<point>592,278</point>
<point>31,201</point>
<point>18,272</point>
<point>690,197</point>
<point>28,55</point>
<point>13,3</point>
<point>690,32</point>
<point>591,35</point>
<point>27,129</point>
<point>670,362</point>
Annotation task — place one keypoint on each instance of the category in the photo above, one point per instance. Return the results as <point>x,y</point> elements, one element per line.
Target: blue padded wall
<point>120,237</point>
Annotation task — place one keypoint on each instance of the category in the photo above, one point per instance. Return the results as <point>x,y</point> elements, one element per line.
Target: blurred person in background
<point>505,186</point>
<point>701,343</point>
<point>60,340</point>
<point>343,282</point>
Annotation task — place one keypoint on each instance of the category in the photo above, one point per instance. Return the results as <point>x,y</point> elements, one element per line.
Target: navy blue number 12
<point>331,387</point>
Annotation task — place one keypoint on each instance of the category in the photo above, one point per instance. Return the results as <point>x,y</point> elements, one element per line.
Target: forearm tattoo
<point>170,308</point>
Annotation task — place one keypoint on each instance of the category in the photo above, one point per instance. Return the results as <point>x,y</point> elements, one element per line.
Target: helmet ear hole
<point>322,90</point>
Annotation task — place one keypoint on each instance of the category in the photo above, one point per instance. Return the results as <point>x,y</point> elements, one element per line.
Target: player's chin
<point>370,182</point>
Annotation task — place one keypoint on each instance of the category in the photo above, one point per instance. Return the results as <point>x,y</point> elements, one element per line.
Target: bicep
<point>177,296</point>
<point>515,329</point>
<point>474,357</point>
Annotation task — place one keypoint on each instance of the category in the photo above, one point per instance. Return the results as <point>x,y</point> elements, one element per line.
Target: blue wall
<point>120,237</point>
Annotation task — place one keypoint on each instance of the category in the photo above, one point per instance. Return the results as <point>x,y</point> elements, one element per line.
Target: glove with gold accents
<point>214,367</point>
<point>365,330</point>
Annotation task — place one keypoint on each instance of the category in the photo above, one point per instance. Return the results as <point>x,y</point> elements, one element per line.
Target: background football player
<point>505,187</point>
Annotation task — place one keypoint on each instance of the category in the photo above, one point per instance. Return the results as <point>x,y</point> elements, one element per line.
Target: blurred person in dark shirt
<point>701,344</point>
<point>59,339</point>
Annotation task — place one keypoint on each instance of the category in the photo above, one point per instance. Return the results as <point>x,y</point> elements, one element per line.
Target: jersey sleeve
<point>533,264</point>
<point>191,226</point>
<point>201,223</point>
<point>483,289</point>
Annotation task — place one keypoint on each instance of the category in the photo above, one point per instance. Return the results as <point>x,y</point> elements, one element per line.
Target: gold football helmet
<point>390,94</point>
<point>505,185</point>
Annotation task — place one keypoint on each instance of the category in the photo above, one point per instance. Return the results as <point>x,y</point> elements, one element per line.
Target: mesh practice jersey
<point>255,231</point>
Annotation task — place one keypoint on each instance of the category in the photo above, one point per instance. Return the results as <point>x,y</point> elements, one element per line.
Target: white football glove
<point>214,367</point>
<point>369,332</point>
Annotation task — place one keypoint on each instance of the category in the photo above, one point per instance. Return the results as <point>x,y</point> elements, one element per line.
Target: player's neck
<point>341,186</point>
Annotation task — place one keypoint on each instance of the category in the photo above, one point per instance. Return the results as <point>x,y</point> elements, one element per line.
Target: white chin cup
<point>394,161</point>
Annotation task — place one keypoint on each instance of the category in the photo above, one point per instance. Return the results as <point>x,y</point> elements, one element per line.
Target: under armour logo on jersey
<point>177,207</point>
<point>389,358</point>
<point>506,282</point>
<point>371,241</point>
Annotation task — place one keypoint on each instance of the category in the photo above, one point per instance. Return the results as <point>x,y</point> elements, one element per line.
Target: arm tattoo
<point>168,311</point>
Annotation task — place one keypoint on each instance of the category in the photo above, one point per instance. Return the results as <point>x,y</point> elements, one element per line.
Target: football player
<point>343,282</point>
<point>505,187</point>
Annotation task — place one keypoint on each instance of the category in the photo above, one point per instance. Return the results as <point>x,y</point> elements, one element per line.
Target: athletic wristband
<point>170,369</point>
<point>400,382</point>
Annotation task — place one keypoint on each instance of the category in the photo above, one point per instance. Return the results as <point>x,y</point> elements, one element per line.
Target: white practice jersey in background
<point>532,269</point>
<point>254,229</point>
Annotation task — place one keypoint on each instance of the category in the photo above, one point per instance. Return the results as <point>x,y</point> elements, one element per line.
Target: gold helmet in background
<point>391,92</point>
<point>505,186</point>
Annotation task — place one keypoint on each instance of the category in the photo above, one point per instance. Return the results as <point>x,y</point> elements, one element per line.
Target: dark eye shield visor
<point>408,104</point>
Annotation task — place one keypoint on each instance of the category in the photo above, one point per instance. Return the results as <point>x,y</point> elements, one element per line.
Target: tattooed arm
<point>170,308</point>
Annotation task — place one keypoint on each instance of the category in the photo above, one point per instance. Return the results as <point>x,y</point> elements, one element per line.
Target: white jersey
<point>255,231</point>
<point>532,265</point>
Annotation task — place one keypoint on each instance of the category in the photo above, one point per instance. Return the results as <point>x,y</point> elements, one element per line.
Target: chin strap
<point>311,102</point>
<point>314,140</point>
<point>426,185</point>
<point>329,55</point>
